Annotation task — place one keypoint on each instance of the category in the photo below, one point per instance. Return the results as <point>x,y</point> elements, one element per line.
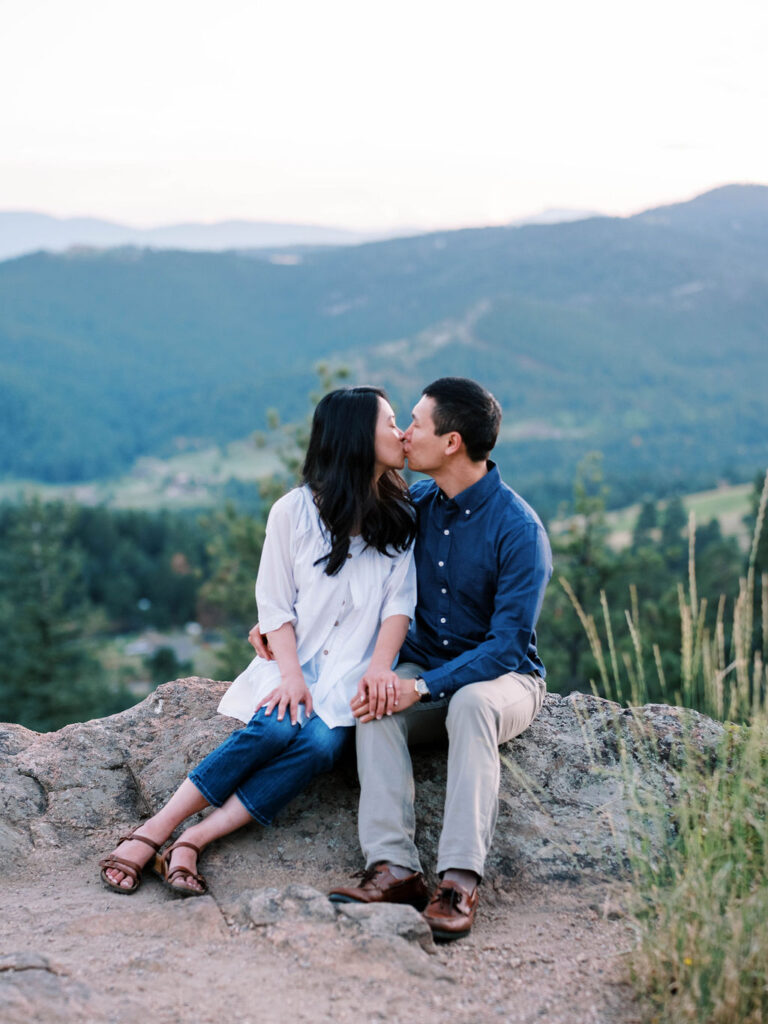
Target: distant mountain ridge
<point>23,232</point>
<point>642,337</point>
<point>742,209</point>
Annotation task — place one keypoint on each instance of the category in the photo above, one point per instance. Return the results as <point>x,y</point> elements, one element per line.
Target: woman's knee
<point>327,745</point>
<point>264,728</point>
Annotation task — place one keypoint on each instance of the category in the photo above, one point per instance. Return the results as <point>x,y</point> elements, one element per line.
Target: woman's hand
<point>288,695</point>
<point>378,694</point>
<point>409,696</point>
<point>260,644</point>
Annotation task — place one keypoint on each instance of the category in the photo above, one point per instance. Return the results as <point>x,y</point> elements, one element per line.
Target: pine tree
<point>646,522</point>
<point>583,558</point>
<point>47,676</point>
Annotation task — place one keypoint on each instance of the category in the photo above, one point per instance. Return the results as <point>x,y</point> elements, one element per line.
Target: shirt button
<point>443,590</point>
<point>441,564</point>
<point>445,644</point>
<point>442,620</point>
<point>442,694</point>
<point>467,511</point>
<point>336,622</point>
<point>349,556</point>
<point>446,532</point>
<point>325,652</point>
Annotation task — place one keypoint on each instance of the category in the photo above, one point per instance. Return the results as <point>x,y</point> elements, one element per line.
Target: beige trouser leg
<point>477,718</point>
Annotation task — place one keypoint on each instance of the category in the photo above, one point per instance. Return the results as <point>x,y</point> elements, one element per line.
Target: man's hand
<point>260,644</point>
<point>364,709</point>
<point>288,695</point>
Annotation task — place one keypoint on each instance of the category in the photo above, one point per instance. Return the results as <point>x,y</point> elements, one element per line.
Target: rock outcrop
<point>563,805</point>
<point>265,944</point>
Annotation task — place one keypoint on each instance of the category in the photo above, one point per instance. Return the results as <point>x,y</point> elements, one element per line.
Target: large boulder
<point>564,791</point>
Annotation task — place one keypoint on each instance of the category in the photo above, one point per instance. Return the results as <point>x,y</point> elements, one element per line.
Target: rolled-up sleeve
<point>400,588</point>
<point>275,584</point>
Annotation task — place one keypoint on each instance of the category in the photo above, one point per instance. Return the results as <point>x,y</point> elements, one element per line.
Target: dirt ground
<point>71,950</point>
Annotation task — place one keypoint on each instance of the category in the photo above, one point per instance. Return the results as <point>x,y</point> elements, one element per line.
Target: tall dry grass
<point>700,904</point>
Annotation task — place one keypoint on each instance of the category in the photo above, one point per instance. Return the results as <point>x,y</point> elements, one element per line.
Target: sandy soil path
<point>72,951</point>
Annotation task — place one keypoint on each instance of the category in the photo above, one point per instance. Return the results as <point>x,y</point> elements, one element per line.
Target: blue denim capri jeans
<point>268,763</point>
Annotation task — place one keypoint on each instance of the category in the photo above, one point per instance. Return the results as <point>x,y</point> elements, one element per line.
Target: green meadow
<point>191,480</point>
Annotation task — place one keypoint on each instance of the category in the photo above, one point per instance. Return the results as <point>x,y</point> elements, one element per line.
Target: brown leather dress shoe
<point>451,912</point>
<point>379,885</point>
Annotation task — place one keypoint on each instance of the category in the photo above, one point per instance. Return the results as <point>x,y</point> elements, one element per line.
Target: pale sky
<point>376,115</point>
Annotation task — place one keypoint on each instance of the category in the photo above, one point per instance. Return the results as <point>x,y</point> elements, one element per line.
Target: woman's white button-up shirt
<point>336,618</point>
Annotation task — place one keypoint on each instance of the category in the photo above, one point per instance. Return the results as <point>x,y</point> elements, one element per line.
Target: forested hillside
<point>642,337</point>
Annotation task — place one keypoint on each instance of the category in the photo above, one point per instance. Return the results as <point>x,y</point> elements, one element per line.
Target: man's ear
<point>453,442</point>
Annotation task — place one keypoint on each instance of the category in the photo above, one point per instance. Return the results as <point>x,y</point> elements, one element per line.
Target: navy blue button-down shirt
<point>483,561</point>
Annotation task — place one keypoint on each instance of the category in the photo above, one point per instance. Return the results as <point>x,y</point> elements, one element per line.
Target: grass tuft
<point>700,903</point>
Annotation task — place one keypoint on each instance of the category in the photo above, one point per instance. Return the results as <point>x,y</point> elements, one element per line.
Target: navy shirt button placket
<point>443,549</point>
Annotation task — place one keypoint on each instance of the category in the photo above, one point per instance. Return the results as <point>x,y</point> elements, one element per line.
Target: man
<point>469,665</point>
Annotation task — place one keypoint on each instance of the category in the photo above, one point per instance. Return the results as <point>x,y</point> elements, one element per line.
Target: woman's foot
<point>177,869</point>
<point>186,858</point>
<point>135,852</point>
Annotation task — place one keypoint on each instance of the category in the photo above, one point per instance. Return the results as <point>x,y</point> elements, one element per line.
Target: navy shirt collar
<point>473,497</point>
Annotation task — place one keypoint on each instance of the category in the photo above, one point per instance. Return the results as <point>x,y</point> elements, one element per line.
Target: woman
<point>336,588</point>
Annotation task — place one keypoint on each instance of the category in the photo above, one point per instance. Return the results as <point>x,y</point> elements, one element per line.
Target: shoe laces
<point>365,876</point>
<point>447,897</point>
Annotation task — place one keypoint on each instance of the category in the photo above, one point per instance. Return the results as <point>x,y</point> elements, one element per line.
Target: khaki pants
<point>477,718</point>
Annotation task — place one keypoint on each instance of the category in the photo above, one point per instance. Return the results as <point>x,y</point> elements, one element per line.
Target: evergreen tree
<point>646,522</point>
<point>674,541</point>
<point>164,664</point>
<point>47,676</point>
<point>761,550</point>
<point>583,559</point>
<point>757,521</point>
<point>226,599</point>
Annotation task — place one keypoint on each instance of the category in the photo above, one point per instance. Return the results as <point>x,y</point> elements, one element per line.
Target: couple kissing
<point>358,574</point>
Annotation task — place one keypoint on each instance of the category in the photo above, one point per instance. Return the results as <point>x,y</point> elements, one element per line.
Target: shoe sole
<point>440,936</point>
<point>418,905</point>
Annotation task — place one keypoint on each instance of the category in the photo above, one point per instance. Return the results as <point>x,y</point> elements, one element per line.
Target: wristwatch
<point>420,687</point>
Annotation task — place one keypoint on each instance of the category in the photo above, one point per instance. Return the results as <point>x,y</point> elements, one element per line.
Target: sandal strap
<point>172,874</point>
<point>184,873</point>
<point>128,867</point>
<point>182,842</point>
<point>142,839</point>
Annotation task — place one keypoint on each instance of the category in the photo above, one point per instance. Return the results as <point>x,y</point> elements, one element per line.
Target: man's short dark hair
<point>465,406</point>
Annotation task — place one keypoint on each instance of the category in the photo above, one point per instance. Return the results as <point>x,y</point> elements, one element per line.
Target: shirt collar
<point>476,495</point>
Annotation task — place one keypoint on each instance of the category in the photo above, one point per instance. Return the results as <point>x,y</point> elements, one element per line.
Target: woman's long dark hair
<point>339,469</point>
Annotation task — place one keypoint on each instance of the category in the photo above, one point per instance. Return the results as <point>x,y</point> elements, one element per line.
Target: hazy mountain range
<point>642,337</point>
<point>22,232</point>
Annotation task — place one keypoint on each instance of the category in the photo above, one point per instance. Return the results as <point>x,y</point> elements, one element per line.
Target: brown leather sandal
<point>128,867</point>
<point>168,875</point>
